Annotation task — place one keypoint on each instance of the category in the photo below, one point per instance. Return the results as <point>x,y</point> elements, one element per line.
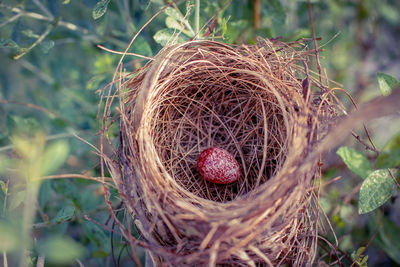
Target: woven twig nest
<point>252,101</point>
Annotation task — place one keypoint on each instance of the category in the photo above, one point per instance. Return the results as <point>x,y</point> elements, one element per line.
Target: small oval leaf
<point>54,156</point>
<point>8,43</point>
<point>355,161</point>
<point>45,46</point>
<point>65,214</point>
<point>61,249</point>
<point>16,199</point>
<point>174,14</point>
<point>100,9</point>
<point>169,36</point>
<point>386,83</point>
<point>375,190</point>
<point>4,187</point>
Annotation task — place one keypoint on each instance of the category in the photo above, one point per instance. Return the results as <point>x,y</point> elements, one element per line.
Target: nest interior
<point>249,100</point>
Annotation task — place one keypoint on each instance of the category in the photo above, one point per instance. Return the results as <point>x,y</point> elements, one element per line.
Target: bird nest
<point>256,102</point>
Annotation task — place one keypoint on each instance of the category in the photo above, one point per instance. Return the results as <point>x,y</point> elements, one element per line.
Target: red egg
<point>218,166</point>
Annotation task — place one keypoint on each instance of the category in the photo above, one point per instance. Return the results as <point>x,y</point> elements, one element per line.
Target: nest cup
<point>252,101</point>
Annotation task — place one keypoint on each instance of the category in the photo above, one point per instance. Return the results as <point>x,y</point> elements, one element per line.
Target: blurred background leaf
<point>53,89</point>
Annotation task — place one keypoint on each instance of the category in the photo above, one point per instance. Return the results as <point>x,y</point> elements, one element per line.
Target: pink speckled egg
<point>218,166</point>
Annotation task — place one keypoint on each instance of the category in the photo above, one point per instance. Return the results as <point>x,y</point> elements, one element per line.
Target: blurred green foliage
<point>52,70</point>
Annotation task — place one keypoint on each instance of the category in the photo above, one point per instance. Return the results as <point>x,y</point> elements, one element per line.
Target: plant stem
<point>197,17</point>
<point>5,262</point>
<point>32,190</point>
<point>38,41</point>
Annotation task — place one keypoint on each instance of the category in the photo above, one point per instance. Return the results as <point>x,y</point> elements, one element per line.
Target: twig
<point>197,17</point>
<point>185,21</point>
<point>394,179</point>
<point>43,8</point>
<point>39,73</point>
<point>5,262</point>
<point>34,15</point>
<point>256,14</point>
<point>86,217</point>
<point>40,261</point>
<point>369,241</point>
<point>368,147</point>
<point>315,41</point>
<point>10,20</point>
<point>79,263</point>
<point>38,41</point>
<point>122,53</point>
<point>29,105</point>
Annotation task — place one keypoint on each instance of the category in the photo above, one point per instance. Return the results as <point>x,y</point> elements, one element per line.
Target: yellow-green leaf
<point>100,9</point>
<point>61,250</point>
<point>169,36</point>
<point>64,214</point>
<point>16,199</point>
<point>375,190</point>
<point>8,43</point>
<point>386,83</point>
<point>54,156</point>
<point>355,161</point>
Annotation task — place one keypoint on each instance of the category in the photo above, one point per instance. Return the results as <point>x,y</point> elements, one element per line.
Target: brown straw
<point>256,101</point>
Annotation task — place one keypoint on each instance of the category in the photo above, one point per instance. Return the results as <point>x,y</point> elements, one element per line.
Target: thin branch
<point>29,105</point>
<point>34,15</point>
<point>10,20</point>
<point>197,16</point>
<point>39,73</point>
<point>368,147</point>
<point>122,53</point>
<point>38,41</point>
<point>394,179</point>
<point>40,261</point>
<point>43,8</point>
<point>369,241</point>
<point>315,41</point>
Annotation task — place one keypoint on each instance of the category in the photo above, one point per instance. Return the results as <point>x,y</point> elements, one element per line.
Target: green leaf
<point>235,28</point>
<point>45,46</point>
<point>361,259</point>
<point>141,47</point>
<point>388,238</point>
<point>29,33</point>
<point>375,190</point>
<point>16,199</point>
<point>224,26</point>
<point>355,161</point>
<point>173,24</point>
<point>61,250</point>
<point>9,237</point>
<point>66,2</point>
<point>65,214</point>
<point>8,43</point>
<point>390,154</point>
<point>4,187</point>
<point>386,83</point>
<point>95,81</point>
<point>54,156</point>
<point>100,9</point>
<point>172,12</point>
<point>169,36</point>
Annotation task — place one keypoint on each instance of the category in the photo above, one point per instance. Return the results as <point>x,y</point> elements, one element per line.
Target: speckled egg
<point>218,166</point>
